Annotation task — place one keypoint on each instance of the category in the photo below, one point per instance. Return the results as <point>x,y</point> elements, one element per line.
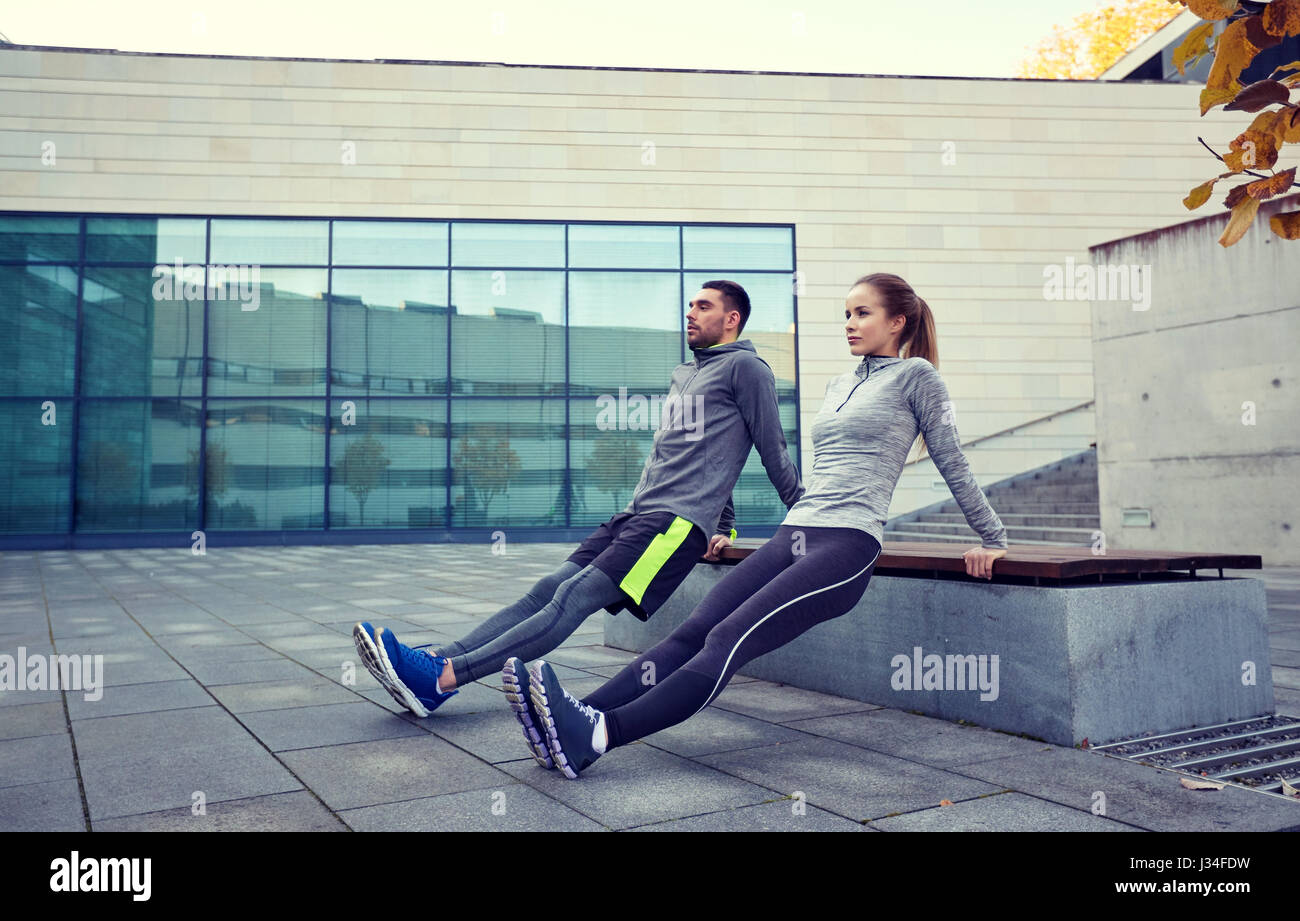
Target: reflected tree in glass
<point>485,465</point>
<point>362,466</point>
<point>615,465</point>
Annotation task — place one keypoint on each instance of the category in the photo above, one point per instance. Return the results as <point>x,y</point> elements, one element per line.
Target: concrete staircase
<point>1057,505</point>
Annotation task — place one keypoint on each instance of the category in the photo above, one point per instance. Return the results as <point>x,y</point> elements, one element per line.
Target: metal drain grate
<point>1257,754</point>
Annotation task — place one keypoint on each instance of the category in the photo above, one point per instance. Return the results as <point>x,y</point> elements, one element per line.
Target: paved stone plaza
<point>232,678</point>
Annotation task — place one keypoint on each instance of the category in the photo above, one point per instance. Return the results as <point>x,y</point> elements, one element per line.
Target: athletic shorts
<point>647,555</point>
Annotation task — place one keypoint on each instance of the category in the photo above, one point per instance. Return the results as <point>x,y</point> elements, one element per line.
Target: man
<point>719,405</point>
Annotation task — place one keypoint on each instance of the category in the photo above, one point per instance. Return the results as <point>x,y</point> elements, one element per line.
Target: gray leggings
<point>535,624</point>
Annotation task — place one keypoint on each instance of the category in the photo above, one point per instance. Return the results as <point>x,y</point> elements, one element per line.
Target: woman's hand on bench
<point>979,561</point>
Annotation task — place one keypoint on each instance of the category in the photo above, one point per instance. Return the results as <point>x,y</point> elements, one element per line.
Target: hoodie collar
<point>872,362</point>
<point>708,352</point>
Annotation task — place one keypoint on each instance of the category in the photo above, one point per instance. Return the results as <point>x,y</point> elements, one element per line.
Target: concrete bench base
<point>1101,662</point>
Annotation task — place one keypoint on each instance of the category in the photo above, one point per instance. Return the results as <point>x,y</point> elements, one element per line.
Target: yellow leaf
<point>1194,46</point>
<point>1242,217</point>
<point>1287,128</point>
<point>1233,55</point>
<point>1286,226</point>
<point>1213,97</point>
<point>1273,185</point>
<point>1199,195</point>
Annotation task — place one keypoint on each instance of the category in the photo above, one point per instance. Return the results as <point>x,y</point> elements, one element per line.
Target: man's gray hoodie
<point>719,406</point>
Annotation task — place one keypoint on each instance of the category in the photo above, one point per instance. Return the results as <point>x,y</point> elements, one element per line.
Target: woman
<point>818,564</point>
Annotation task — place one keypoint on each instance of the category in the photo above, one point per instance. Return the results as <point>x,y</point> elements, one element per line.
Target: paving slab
<point>637,784</point>
<point>139,698</point>
<point>1001,812</point>
<point>279,695</point>
<point>510,807</point>
<point>370,773</point>
<point>36,759</point>
<point>27,720</point>
<point>847,780</point>
<point>1139,795</point>
<point>330,724</point>
<point>54,805</point>
<point>296,811</point>
<point>919,738</point>
<point>779,703</point>
<point>777,816</point>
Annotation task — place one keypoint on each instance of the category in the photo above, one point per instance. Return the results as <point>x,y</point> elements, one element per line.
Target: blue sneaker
<point>363,637</point>
<point>517,678</point>
<point>569,724</point>
<point>409,675</point>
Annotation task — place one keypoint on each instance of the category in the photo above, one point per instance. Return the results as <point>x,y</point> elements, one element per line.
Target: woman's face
<point>867,326</point>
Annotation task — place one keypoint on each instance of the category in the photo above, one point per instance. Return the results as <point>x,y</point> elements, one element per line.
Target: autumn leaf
<point>1201,784</point>
<point>1199,195</point>
<point>945,802</point>
<point>1242,217</point>
<point>1259,96</point>
<point>1236,196</point>
<point>1211,9</point>
<point>1250,150</point>
<point>1233,55</point>
<point>1212,97</point>
<point>1287,126</point>
<point>1273,185</point>
<point>1282,18</point>
<point>1095,40</point>
<point>1194,47</point>
<point>1286,226</point>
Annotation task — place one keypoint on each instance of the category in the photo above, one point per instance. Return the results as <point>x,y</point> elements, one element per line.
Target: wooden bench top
<point>931,559</point>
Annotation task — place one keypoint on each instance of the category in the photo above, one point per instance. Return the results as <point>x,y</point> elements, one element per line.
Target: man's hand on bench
<point>716,546</point>
<point>979,561</point>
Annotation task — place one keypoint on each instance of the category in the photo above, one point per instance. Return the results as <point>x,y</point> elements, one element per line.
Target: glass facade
<point>164,374</point>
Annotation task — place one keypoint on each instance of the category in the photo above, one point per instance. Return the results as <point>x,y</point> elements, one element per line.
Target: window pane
<point>35,467</point>
<point>138,465</point>
<point>624,246</point>
<point>265,467</point>
<point>155,240</point>
<point>716,248</point>
<point>142,335</point>
<point>625,329</point>
<point>497,245</point>
<point>606,462</point>
<point>389,332</point>
<point>388,467</point>
<point>507,332</point>
<point>278,348</point>
<point>507,463</point>
<point>771,319</point>
<point>38,329</point>
<point>254,242</point>
<point>39,238</point>
<point>389,243</point>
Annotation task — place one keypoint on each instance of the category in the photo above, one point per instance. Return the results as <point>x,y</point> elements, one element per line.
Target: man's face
<point>709,320</point>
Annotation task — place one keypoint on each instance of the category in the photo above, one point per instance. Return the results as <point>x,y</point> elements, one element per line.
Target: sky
<point>976,38</point>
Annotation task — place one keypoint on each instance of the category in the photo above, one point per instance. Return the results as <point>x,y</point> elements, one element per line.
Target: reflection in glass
<point>507,463</point>
<point>39,238</point>
<point>269,242</point>
<point>38,330</point>
<point>137,465</point>
<point>408,243</point>
<point>507,333</point>
<point>278,348</point>
<point>389,331</point>
<point>388,462</point>
<point>709,248</point>
<point>265,465</point>
<point>143,332</point>
<point>606,462</point>
<point>496,246</point>
<point>771,319</point>
<point>35,467</point>
<point>624,246</point>
<point>625,330</point>
<point>156,240</point>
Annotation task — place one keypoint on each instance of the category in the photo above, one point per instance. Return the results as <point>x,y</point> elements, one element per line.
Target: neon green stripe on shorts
<point>652,560</point>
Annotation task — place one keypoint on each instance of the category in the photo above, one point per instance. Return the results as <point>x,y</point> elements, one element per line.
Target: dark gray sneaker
<point>568,724</point>
<point>516,677</point>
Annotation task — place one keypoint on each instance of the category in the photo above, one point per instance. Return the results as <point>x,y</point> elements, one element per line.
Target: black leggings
<point>799,578</point>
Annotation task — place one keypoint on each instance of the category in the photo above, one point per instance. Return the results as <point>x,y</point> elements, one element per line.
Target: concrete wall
<point>1197,412</point>
<point>968,188</point>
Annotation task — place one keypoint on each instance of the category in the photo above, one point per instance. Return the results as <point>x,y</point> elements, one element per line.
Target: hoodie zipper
<point>855,387</point>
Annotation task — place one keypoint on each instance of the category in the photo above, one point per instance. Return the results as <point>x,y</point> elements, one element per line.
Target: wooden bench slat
<point>1036,561</point>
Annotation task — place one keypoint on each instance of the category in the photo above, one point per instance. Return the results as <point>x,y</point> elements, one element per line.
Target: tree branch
<point>1245,172</point>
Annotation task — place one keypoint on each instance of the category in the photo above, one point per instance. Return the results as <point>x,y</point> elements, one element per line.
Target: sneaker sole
<point>541,704</point>
<point>515,692</point>
<point>375,659</point>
